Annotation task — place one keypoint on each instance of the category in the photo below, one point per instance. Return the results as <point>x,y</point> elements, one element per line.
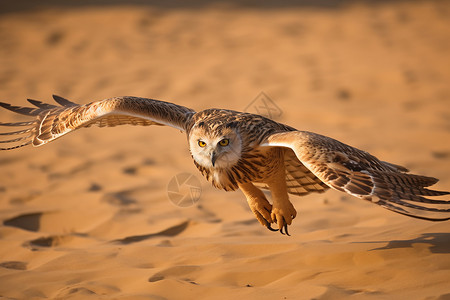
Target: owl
<point>237,150</point>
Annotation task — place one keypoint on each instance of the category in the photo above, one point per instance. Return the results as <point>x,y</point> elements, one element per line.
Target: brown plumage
<point>236,150</point>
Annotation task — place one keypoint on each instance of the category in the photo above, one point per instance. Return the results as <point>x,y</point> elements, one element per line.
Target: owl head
<point>218,147</point>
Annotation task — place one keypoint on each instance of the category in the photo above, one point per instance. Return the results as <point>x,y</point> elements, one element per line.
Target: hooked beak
<point>213,158</point>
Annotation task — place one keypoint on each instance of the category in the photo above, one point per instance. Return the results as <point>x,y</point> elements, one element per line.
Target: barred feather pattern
<point>54,121</point>
<point>362,175</point>
<point>310,162</point>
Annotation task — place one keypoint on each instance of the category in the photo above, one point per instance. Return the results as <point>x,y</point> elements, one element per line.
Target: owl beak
<point>213,158</point>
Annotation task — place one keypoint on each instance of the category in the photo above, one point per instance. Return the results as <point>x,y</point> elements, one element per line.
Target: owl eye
<point>201,144</point>
<point>224,142</point>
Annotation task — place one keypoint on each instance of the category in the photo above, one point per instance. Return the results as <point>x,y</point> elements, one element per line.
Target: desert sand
<point>89,216</point>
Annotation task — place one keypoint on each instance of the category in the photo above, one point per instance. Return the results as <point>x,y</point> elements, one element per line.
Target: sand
<point>89,216</point>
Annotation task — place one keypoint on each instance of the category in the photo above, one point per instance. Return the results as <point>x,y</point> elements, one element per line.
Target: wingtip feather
<point>63,101</point>
<point>5,105</point>
<point>21,109</point>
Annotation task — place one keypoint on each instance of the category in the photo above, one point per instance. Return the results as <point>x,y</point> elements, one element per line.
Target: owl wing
<point>300,180</point>
<point>54,121</point>
<point>362,175</point>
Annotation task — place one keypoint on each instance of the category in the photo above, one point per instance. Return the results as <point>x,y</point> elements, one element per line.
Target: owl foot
<point>262,209</point>
<point>264,222</point>
<point>283,217</point>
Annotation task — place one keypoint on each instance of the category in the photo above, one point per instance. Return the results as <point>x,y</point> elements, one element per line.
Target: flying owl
<point>238,150</point>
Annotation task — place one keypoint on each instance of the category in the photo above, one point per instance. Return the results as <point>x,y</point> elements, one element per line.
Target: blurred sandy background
<point>88,216</point>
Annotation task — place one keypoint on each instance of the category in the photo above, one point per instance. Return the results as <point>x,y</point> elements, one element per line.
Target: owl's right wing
<point>362,175</point>
<point>54,121</point>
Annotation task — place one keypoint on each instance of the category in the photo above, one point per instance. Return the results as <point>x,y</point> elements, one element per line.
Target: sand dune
<point>89,216</point>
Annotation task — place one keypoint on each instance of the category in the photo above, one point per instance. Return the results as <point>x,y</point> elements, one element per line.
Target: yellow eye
<point>201,144</point>
<point>224,142</point>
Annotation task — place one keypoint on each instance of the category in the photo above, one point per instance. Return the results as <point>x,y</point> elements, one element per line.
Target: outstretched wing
<point>362,175</point>
<point>300,180</point>
<point>53,121</point>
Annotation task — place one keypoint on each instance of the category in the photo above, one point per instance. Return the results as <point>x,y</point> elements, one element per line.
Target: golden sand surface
<point>89,216</point>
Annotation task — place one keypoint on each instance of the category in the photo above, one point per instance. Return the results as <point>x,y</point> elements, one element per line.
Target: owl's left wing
<point>299,179</point>
<point>362,175</point>
<point>53,121</point>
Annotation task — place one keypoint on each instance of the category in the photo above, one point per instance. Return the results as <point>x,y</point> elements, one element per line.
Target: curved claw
<point>270,227</point>
<point>263,220</point>
<point>268,223</point>
<point>285,227</point>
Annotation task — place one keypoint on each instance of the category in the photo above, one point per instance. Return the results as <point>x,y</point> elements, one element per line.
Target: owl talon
<point>270,227</point>
<point>285,227</point>
<point>263,221</point>
<point>262,210</point>
<point>283,217</point>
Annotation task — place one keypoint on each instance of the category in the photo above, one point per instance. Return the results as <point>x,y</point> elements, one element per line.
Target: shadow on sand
<point>169,232</point>
<point>439,242</point>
